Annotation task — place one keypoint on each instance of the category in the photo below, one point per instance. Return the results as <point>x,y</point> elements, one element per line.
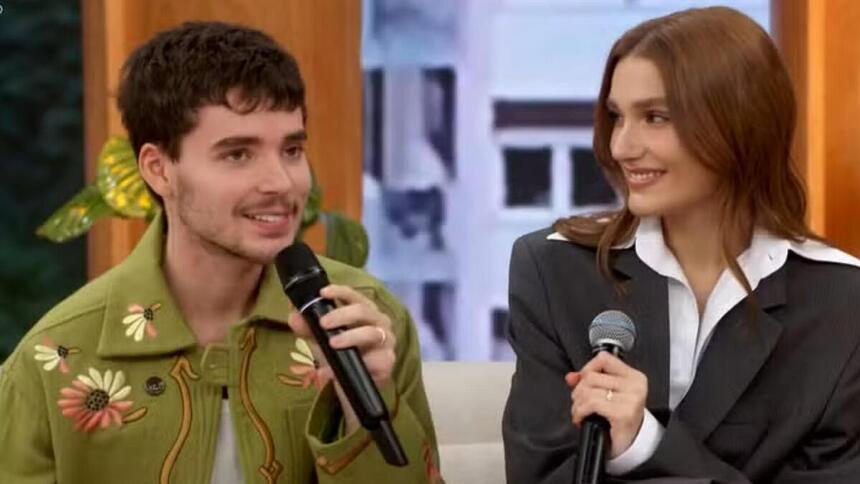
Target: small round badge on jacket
<point>155,386</point>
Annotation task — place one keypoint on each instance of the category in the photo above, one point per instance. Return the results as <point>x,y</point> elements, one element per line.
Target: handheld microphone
<point>611,331</point>
<point>302,278</point>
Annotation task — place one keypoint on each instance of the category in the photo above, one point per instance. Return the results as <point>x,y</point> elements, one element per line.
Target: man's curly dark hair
<point>166,80</point>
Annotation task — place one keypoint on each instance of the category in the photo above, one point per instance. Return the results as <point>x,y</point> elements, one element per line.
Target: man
<point>186,363</point>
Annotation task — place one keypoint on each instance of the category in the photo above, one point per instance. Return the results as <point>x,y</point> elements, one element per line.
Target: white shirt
<point>688,334</point>
<point>227,469</point>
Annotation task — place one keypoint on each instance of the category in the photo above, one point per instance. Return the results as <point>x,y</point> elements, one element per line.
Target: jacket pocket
<point>301,465</point>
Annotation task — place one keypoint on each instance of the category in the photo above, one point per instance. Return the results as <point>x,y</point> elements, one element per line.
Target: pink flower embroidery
<point>140,320</point>
<point>95,400</point>
<point>53,355</point>
<point>305,368</point>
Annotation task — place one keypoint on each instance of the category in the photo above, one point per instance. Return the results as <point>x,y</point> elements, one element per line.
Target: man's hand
<point>367,328</point>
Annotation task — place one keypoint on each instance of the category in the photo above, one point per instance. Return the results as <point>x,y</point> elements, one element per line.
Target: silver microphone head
<point>612,327</point>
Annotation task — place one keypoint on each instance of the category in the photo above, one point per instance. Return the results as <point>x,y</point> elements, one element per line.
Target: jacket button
<point>155,386</point>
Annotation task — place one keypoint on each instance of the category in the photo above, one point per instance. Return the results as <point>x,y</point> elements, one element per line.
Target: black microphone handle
<point>593,447</point>
<point>594,439</point>
<point>357,384</point>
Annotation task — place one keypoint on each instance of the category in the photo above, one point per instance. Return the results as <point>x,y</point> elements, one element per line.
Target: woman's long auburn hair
<point>732,104</point>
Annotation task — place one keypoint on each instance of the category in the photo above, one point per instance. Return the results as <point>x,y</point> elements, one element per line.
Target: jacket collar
<point>139,298</point>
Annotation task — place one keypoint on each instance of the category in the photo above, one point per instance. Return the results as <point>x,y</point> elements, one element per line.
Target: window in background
<point>440,124</point>
<point>589,183</point>
<point>528,177</point>
<point>437,312</point>
<point>501,350</point>
<point>373,120</point>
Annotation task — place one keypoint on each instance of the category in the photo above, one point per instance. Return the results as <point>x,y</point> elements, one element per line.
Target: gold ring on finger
<point>383,336</point>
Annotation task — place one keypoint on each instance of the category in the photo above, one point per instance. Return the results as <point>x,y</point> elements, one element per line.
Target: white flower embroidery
<point>53,355</point>
<point>140,320</point>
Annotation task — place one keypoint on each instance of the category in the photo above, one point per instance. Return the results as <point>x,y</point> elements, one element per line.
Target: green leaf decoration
<point>346,239</point>
<point>120,182</point>
<point>76,216</point>
<point>312,208</point>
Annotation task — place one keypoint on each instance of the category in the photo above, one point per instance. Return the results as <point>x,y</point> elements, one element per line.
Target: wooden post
<point>820,42</point>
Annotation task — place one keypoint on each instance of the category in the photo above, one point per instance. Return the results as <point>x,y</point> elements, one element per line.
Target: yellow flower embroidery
<point>304,372</point>
<point>140,320</point>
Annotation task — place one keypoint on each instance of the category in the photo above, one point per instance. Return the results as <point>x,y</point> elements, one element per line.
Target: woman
<point>745,367</point>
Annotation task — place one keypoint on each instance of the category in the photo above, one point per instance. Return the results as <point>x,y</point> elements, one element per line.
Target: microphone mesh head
<point>613,327</point>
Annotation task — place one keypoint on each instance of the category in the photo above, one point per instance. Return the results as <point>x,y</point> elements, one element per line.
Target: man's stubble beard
<point>207,236</point>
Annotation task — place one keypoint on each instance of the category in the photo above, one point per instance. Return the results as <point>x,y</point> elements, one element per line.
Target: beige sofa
<point>467,400</point>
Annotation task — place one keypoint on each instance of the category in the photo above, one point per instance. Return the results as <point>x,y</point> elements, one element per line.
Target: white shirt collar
<point>765,255</point>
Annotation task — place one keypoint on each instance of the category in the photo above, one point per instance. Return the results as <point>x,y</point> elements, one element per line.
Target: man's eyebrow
<point>300,135</point>
<point>236,142</point>
<point>242,141</point>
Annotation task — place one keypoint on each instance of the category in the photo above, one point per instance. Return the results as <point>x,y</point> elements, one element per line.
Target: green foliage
<point>346,239</point>
<point>120,183</point>
<point>119,190</point>
<point>76,216</point>
<point>312,209</point>
<point>41,158</point>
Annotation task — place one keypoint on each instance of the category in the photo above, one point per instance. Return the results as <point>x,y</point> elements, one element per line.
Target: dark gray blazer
<point>775,399</point>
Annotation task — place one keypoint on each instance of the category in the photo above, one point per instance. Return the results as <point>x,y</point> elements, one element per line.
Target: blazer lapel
<point>737,350</point>
<point>646,302</point>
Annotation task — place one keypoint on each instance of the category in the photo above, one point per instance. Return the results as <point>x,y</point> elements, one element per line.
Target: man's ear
<point>153,164</point>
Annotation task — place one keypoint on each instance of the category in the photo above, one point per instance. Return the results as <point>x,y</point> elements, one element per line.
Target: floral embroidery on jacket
<point>304,372</point>
<point>54,355</point>
<point>430,469</point>
<point>140,320</point>
<point>96,400</point>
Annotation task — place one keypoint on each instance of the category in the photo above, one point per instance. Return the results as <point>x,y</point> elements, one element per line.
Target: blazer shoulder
<point>845,275</point>
<point>545,243</point>
<point>831,286</point>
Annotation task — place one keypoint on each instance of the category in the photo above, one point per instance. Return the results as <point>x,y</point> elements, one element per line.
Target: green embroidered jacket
<point>111,387</point>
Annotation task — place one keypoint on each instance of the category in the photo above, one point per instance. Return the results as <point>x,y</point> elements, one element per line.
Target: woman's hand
<point>608,387</point>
